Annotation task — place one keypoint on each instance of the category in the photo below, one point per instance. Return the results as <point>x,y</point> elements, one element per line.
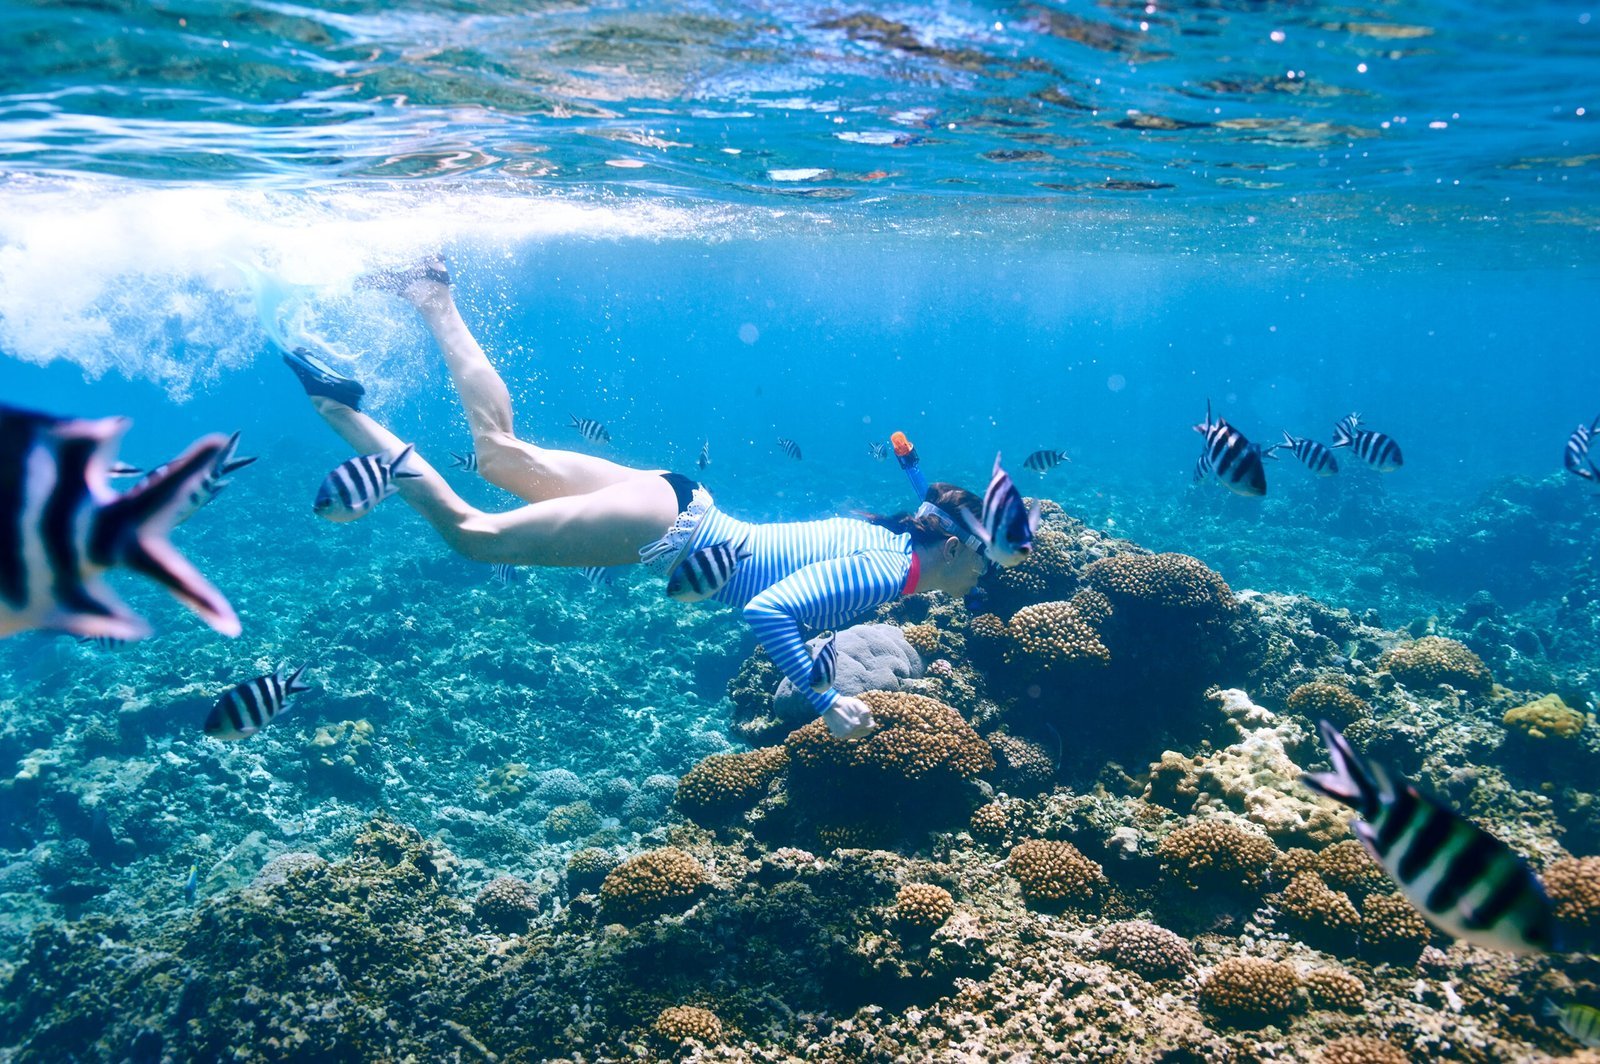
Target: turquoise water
<point>998,227</point>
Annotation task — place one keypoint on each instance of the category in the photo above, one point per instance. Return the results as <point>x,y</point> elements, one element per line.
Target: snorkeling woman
<point>586,511</point>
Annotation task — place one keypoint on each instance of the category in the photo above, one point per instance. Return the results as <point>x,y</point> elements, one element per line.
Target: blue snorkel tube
<point>905,452</point>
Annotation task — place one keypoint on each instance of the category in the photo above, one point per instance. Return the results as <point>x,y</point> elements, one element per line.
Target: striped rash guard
<point>822,574</point>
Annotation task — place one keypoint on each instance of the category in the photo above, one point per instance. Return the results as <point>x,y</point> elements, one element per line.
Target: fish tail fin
<point>1552,1010</point>
<point>458,461</point>
<point>1288,440</point>
<point>975,526</point>
<point>227,463</point>
<point>400,468</point>
<point>293,686</point>
<point>1341,433</point>
<point>1351,780</point>
<point>132,532</point>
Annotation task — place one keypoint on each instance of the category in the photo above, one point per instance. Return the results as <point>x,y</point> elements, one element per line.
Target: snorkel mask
<point>911,465</point>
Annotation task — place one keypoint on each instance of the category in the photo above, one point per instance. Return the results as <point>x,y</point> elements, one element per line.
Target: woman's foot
<point>321,382</point>
<point>422,282</point>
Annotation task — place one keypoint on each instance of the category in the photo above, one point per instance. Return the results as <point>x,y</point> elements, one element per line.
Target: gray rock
<point>872,657</point>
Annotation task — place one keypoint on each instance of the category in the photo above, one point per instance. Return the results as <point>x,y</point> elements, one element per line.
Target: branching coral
<point>1391,928</point>
<point>923,906</point>
<point>506,904</point>
<point>918,739</point>
<point>1335,988</point>
<point>990,823</point>
<point>572,821</point>
<point>1434,660</point>
<point>679,1023</point>
<point>728,783</point>
<point>1217,855</point>
<point>1321,917</point>
<point>587,869</point>
<point>1321,700</point>
<point>651,884</point>
<point>1162,581</point>
<point>1147,949</point>
<point>1022,767</point>
<point>1053,635</point>
<point>1055,873</point>
<point>1574,887</point>
<point>1250,992</point>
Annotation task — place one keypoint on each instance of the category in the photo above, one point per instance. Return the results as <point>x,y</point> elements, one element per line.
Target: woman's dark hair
<point>928,530</point>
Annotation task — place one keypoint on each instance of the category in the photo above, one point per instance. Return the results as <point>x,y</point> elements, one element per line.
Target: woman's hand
<point>849,718</point>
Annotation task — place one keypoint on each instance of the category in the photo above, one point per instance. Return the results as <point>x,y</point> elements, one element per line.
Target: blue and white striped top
<point>823,574</point>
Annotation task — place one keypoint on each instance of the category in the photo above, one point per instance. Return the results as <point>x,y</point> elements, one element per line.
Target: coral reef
<point>1333,988</point>
<point>1323,700</point>
<point>506,904</point>
<point>572,821</point>
<point>1250,992</point>
<point>1545,718</point>
<point>651,884</point>
<point>1217,856</point>
<point>1055,873</point>
<point>679,1023</point>
<point>1148,949</point>
<point>1021,767</point>
<point>588,868</point>
<point>923,906</point>
<point>1434,660</point>
<point>728,784</point>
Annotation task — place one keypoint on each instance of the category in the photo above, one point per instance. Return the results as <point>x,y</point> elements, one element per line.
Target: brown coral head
<point>679,1023</point>
<point>1434,660</point>
<point>727,784</point>
<point>1214,854</point>
<point>1250,992</point>
<point>1147,949</point>
<point>917,739</point>
<point>651,884</point>
<point>923,906</point>
<point>1055,873</point>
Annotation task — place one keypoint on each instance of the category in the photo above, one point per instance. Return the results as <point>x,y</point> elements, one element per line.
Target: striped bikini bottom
<point>693,502</point>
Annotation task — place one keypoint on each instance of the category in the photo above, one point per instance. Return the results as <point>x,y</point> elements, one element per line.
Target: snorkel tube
<point>905,452</point>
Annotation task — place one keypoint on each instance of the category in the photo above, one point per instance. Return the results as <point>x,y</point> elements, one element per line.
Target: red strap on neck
<point>913,576</point>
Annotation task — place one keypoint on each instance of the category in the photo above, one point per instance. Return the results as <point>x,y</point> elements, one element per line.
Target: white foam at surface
<point>144,281</point>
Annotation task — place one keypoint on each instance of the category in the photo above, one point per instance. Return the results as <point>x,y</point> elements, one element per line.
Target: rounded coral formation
<point>1361,1049</point>
<point>990,822</point>
<point>1319,915</point>
<point>506,904</point>
<point>728,783</point>
<point>923,906</point>
<point>1055,873</point>
<point>1335,988</point>
<point>1052,635</point>
<point>1392,927</point>
<point>1321,700</point>
<point>679,1023</point>
<point>916,737</point>
<point>1147,949</point>
<point>587,869</point>
<point>1347,866</point>
<point>1574,886</point>
<point>651,884</point>
<point>1434,660</point>
<point>1545,718</point>
<point>1170,581</point>
<point>924,639</point>
<point>1216,855</point>
<point>1250,992</point>
<point>572,821</point>
<point>1022,767</point>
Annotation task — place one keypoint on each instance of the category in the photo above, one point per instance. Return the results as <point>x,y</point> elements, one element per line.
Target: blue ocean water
<point>998,227</point>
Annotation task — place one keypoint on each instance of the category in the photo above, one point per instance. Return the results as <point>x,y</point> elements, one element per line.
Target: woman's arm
<point>822,595</point>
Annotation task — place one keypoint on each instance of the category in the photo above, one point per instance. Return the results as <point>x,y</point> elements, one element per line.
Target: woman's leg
<point>603,527</point>
<point>530,472</point>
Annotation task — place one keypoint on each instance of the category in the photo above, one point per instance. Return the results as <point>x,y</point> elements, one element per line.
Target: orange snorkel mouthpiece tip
<point>902,446</point>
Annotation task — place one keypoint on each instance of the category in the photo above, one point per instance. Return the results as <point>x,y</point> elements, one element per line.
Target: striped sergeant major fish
<point>824,663</point>
<point>1315,455</point>
<point>590,429</point>
<point>504,573</point>
<point>1577,459</point>
<point>215,480</point>
<point>62,527</point>
<point>789,447</point>
<point>246,708</point>
<point>1042,462</point>
<point>598,575</point>
<point>877,449</point>
<point>468,461</point>
<point>1232,459</point>
<point>1006,525</point>
<point>705,572</point>
<point>705,455</point>
<point>1580,1022</point>
<point>1464,880</point>
<point>357,485</point>
<point>105,642</point>
<point>1374,448</point>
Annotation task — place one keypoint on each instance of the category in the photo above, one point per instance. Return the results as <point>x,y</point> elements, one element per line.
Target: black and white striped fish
<point>789,447</point>
<point>1577,458</point>
<point>705,455</point>
<point>504,573</point>
<point>468,461</point>
<point>62,526</point>
<point>878,449</point>
<point>598,575</point>
<point>246,708</point>
<point>1232,459</point>
<point>1463,879</point>
<point>1043,461</point>
<point>1006,525</point>
<point>359,484</point>
<point>215,480</point>
<point>590,429</point>
<point>104,642</point>
<point>705,572</point>
<point>1315,455</point>
<point>1374,448</point>
<point>824,663</point>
